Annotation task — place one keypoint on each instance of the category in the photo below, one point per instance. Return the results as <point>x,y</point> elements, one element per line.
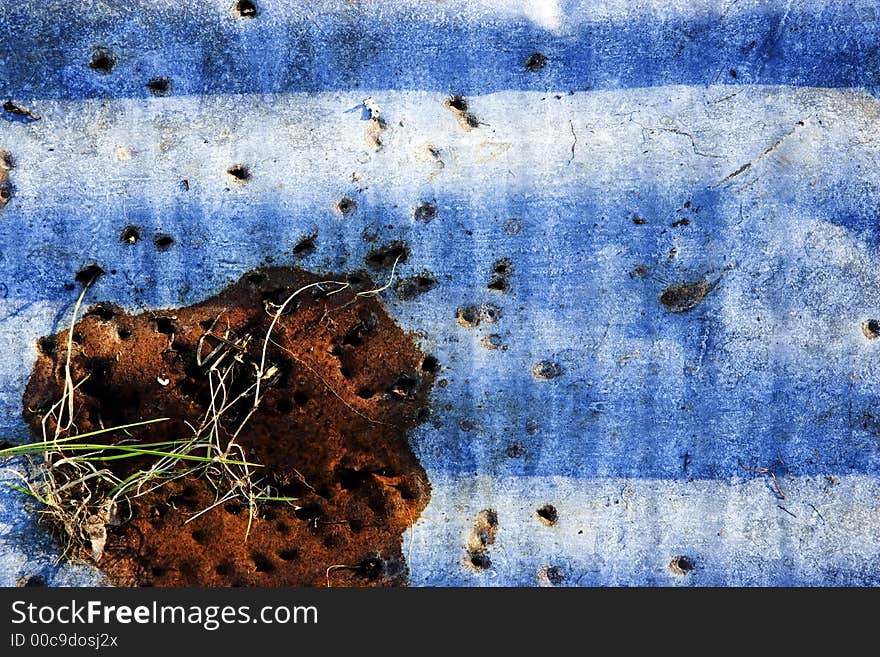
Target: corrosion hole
<point>159,86</point>
<point>32,581</point>
<point>371,568</point>
<point>163,242</point>
<point>305,247</point>
<point>123,333</point>
<point>425,212</point>
<point>684,297</point>
<point>284,406</point>
<point>366,393</point>
<point>430,364</point>
<point>345,206</point>
<point>102,311</point>
<point>405,387</point>
<point>490,313</point>
<point>309,512</point>
<point>130,235</point>
<point>239,173</point>
<point>535,62</point>
<point>102,60</point>
<point>385,256</point>
<point>245,9</point>
<point>548,515</point>
<point>457,104</point>
<point>300,398</point>
<point>502,266</point>
<point>515,450</point>
<point>288,554</point>
<point>165,325</point>
<point>224,569</point>
<point>255,277</point>
<point>89,274</point>
<point>554,574</point>
<point>498,284</point>
<point>468,316</point>
<point>47,346</point>
<point>233,508</point>
<point>199,536</point>
<point>871,328</point>
<point>408,289</point>
<point>480,560</point>
<point>681,565</point>
<point>262,563</point>
<point>350,479</point>
<point>545,370</point>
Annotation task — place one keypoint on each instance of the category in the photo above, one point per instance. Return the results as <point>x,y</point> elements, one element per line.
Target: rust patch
<point>330,429</point>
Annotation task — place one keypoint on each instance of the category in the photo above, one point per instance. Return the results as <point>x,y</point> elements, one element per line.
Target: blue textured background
<point>642,110</point>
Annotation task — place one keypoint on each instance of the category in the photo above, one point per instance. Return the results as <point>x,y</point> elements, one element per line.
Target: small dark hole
<point>199,536</point>
<point>457,103</point>
<point>159,86</point>
<point>165,325</point>
<point>245,9</point>
<point>309,512</point>
<point>284,406</point>
<point>262,563</point>
<point>256,277</point>
<point>102,60</point>
<point>224,569</point>
<point>555,575</point>
<point>123,333</point>
<point>300,398</point>
<point>89,274</point>
<point>47,346</point>
<point>405,387</point>
<point>371,568</point>
<point>239,173</point>
<point>681,565</point>
<point>366,393</point>
<point>158,571</point>
<point>548,514</point>
<point>32,581</point>
<point>102,312</point>
<point>385,256</point>
<point>430,364</point>
<point>163,242</point>
<point>535,62</point>
<point>733,74</point>
<point>130,235</point>
<point>305,247</point>
<point>288,554</point>
<point>78,338</point>
<point>425,213</point>
<point>471,120</point>
<point>345,206</point>
<point>480,560</point>
<point>498,284</point>
<point>233,508</point>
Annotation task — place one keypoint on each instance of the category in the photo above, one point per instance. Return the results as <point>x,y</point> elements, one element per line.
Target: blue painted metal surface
<point>742,139</point>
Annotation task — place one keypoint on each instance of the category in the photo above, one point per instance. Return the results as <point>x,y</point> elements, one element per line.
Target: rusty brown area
<point>331,429</point>
<point>6,165</point>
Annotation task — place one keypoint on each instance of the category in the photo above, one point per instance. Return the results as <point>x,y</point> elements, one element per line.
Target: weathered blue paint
<point>771,369</point>
<point>336,45</point>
